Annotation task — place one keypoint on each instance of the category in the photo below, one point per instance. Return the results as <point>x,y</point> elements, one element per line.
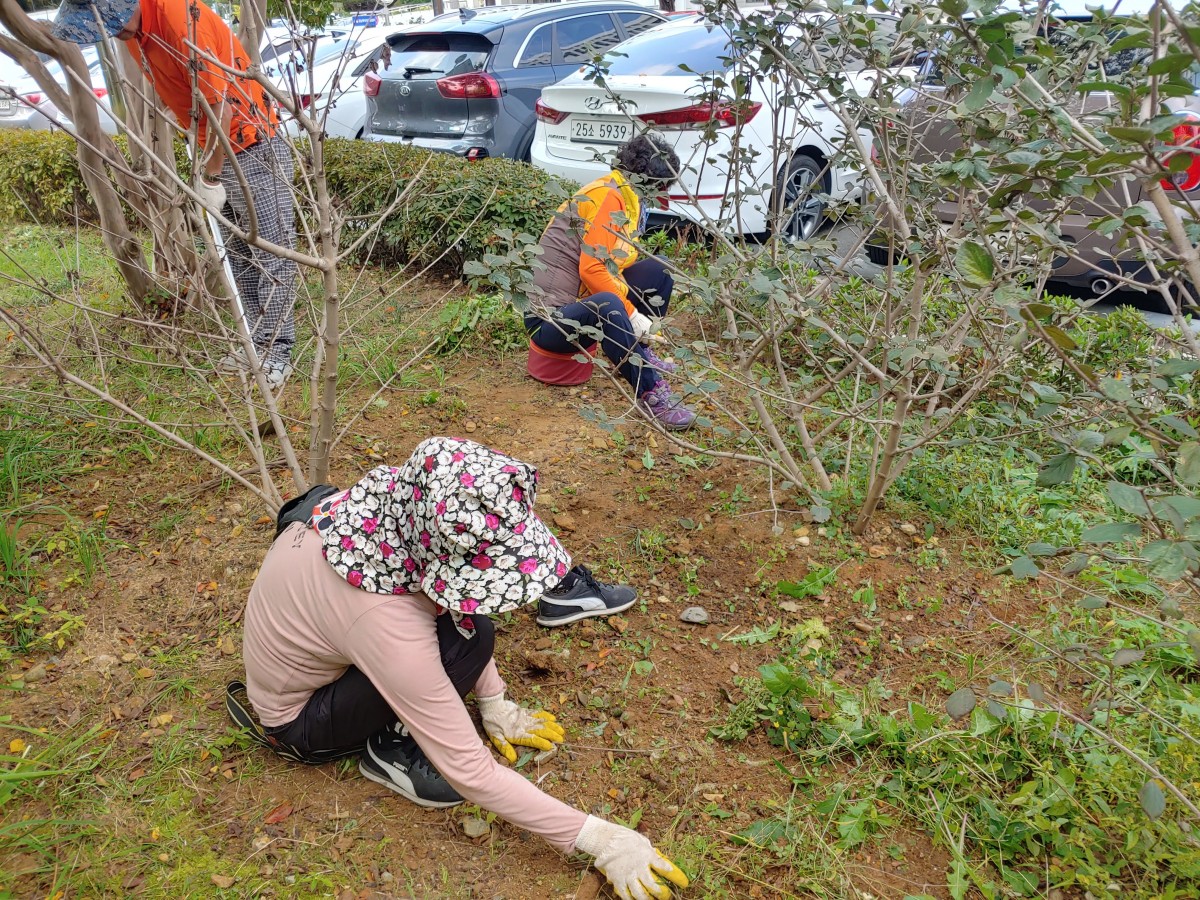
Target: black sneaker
<point>582,597</point>
<point>394,759</point>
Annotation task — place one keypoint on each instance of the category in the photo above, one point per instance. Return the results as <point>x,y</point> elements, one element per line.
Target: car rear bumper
<point>460,146</point>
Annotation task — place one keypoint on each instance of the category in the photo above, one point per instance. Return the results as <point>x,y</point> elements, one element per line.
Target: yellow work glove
<point>629,861</point>
<point>506,724</point>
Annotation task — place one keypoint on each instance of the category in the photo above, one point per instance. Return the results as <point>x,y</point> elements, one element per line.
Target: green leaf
<point>1174,367</point>
<point>643,667</point>
<point>1171,64</point>
<point>1187,467</point>
<point>820,513</point>
<point>1127,656</point>
<point>1077,563</point>
<point>1024,567</point>
<point>1193,640</point>
<point>648,459</point>
<point>980,92</point>
<point>1187,507</point>
<point>1117,389</point>
<point>1116,436</point>
<point>1060,338</point>
<point>1092,602</point>
<point>960,703</point>
<point>1110,533</point>
<point>1132,135</point>
<point>1167,560</point>
<point>1128,499</point>
<point>1153,801</point>
<point>1058,470</point>
<point>975,264</point>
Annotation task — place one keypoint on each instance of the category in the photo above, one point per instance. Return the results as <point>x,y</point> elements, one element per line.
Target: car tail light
<point>547,114</point>
<point>32,99</point>
<point>1186,134</point>
<point>477,153</point>
<point>305,101</point>
<point>371,83</point>
<point>725,115</point>
<point>472,86</point>
<point>100,93</point>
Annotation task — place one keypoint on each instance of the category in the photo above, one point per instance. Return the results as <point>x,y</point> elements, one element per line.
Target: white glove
<point>629,861</point>
<point>506,724</point>
<point>212,196</point>
<point>641,325</point>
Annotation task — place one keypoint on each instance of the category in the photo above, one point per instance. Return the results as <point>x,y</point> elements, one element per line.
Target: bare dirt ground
<point>162,639</point>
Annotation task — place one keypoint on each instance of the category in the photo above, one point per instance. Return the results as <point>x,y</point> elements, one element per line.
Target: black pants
<point>339,717</point>
<point>603,315</point>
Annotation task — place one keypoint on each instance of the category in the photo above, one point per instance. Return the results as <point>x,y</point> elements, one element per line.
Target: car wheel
<point>798,206</point>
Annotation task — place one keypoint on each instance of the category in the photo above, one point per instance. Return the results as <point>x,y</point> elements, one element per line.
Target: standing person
<point>367,627</point>
<point>172,41</point>
<point>589,278</point>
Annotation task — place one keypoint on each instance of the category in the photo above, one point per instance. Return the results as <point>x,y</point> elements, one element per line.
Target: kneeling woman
<point>367,627</point>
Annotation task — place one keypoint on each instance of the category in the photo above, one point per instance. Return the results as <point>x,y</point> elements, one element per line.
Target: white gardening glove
<point>629,861</point>
<point>506,724</point>
<point>212,196</point>
<point>641,325</point>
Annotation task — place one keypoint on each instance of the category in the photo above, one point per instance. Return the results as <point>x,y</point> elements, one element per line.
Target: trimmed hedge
<point>40,180</point>
<point>453,213</point>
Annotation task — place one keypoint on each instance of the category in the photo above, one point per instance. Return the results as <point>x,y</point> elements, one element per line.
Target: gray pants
<point>266,283</point>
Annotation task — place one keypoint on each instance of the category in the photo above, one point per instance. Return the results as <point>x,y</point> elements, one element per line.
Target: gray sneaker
<point>277,374</point>
<point>394,759</point>
<point>584,599</point>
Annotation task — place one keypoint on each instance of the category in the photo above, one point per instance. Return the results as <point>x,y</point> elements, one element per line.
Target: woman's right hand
<point>641,325</point>
<point>629,861</point>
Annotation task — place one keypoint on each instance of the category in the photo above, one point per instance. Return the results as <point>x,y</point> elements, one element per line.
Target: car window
<point>703,49</point>
<point>439,55</point>
<point>539,49</point>
<point>582,37</point>
<point>636,22</point>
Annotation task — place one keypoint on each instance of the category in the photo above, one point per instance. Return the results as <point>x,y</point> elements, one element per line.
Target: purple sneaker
<point>657,361</point>
<point>667,409</point>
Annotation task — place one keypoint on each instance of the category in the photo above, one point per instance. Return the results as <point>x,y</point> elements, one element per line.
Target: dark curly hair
<point>650,161</point>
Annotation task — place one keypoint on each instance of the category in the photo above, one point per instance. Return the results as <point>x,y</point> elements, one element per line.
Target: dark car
<point>466,83</point>
<point>1099,259</point>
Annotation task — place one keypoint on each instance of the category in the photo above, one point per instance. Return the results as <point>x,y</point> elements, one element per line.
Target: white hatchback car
<point>661,80</point>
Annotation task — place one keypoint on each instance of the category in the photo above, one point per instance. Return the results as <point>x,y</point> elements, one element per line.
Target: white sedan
<point>23,103</point>
<point>786,147</point>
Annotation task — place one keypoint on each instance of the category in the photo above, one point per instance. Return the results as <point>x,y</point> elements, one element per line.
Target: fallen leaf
<point>236,531</point>
<point>222,881</point>
<point>155,834</point>
<point>160,721</point>
<point>264,520</point>
<point>226,646</point>
<point>278,814</point>
<point>713,798</point>
<point>143,672</point>
<point>16,745</point>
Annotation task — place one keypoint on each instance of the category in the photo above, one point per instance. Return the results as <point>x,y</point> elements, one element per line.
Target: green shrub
<point>40,180</point>
<point>452,214</point>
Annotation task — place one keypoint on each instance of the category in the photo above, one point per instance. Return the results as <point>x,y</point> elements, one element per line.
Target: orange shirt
<point>162,49</point>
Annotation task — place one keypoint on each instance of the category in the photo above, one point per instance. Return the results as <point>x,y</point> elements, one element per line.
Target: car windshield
<point>703,49</point>
<point>439,54</point>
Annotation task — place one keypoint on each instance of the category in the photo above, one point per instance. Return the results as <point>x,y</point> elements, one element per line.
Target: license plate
<point>600,131</point>
<point>6,106</point>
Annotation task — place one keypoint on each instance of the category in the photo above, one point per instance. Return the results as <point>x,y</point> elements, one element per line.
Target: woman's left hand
<point>507,724</point>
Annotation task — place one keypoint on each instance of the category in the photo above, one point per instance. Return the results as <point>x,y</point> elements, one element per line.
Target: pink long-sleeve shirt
<point>305,625</point>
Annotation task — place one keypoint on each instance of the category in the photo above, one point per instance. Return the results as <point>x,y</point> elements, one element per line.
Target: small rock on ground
<point>696,615</point>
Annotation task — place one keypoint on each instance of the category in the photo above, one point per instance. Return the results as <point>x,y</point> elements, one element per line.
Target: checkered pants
<point>266,283</point>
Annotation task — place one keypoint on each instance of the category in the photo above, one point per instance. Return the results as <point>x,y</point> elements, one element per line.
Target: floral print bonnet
<point>455,521</point>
